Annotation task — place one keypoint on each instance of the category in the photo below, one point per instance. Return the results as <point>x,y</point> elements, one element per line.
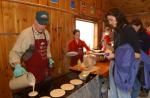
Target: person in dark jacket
<point>124,37</point>
<point>147,26</point>
<point>144,40</point>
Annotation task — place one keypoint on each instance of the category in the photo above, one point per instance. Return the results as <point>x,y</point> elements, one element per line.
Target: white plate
<point>97,51</point>
<point>57,93</point>
<point>76,81</point>
<point>67,87</point>
<point>72,53</point>
<point>32,94</point>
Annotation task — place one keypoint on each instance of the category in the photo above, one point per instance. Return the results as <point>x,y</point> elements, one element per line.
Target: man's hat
<point>42,17</point>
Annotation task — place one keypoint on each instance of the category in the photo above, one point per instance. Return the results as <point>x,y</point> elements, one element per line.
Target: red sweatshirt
<point>78,47</point>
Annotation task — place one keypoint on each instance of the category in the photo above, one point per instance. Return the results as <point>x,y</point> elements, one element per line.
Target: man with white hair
<point>31,51</point>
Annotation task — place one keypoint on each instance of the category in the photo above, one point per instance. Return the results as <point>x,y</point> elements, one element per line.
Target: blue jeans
<point>136,89</point>
<point>115,92</point>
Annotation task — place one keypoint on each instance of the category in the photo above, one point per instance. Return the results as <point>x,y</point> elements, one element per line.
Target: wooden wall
<point>132,8</point>
<point>16,15</point>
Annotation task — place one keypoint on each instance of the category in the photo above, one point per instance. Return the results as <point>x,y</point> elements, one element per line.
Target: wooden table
<point>102,68</point>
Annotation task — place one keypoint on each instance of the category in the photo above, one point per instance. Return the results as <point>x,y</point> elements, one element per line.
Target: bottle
<point>104,90</point>
<point>78,64</point>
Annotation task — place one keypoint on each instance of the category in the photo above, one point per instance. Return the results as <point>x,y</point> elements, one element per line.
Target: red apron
<point>38,63</point>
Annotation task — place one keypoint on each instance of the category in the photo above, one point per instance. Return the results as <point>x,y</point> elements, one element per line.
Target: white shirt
<point>25,39</point>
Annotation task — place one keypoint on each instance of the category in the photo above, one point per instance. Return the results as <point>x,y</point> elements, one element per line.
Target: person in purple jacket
<point>144,40</point>
<point>126,57</point>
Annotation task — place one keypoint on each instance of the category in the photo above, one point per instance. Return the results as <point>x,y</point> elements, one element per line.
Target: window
<point>87,32</point>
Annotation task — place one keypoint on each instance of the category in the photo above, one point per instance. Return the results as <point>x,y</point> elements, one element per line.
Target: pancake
<point>57,93</point>
<point>76,81</point>
<point>33,93</point>
<point>45,97</point>
<point>67,87</point>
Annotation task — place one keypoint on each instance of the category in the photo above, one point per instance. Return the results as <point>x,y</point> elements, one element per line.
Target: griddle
<point>46,86</point>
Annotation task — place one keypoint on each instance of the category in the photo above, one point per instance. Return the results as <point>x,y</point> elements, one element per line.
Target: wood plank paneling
<point>35,1</point>
<point>69,20</point>
<point>43,2</point>
<point>62,4</point>
<point>54,38</point>
<point>17,16</point>
<point>31,1</point>
<point>9,17</point>
<point>63,29</point>
<point>24,18</point>
<point>77,5</point>
<point>4,90</point>
<point>1,18</point>
<point>132,6</point>
<point>68,6</point>
<point>50,3</point>
<point>5,69</point>
<point>1,55</point>
<point>6,44</point>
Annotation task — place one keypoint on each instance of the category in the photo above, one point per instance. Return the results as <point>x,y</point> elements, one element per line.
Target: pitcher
<point>25,80</point>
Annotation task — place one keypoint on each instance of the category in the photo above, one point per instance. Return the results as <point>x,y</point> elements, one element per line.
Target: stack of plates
<point>72,53</point>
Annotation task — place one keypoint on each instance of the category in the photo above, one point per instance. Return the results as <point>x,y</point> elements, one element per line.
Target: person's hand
<point>51,62</point>
<point>110,56</point>
<point>88,52</point>
<point>19,70</point>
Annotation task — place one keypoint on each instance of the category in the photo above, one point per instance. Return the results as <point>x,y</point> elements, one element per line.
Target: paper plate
<point>67,87</point>
<point>45,97</point>
<point>57,93</point>
<point>32,94</point>
<point>76,81</point>
<point>72,53</point>
<point>97,51</point>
